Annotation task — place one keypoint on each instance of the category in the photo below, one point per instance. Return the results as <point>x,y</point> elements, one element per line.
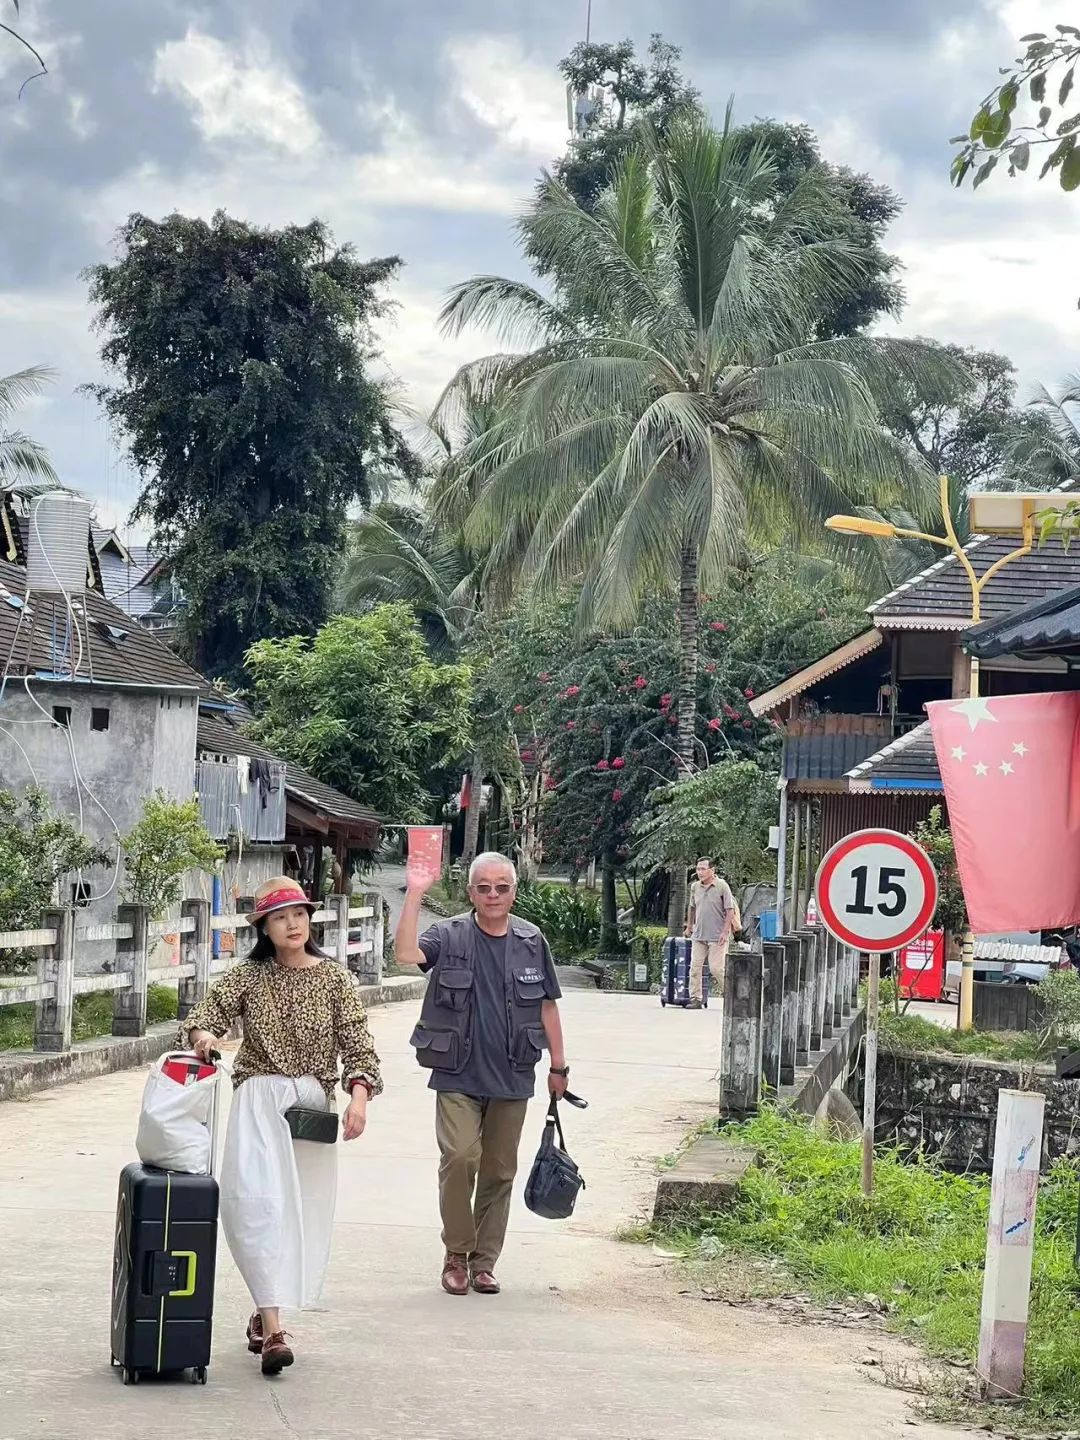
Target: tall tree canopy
<point>677,398</point>
<point>244,396</point>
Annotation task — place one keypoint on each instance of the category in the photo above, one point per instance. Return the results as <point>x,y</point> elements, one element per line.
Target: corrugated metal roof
<point>38,639</point>
<point>908,764</point>
<point>825,757</point>
<point>1047,626</point>
<point>943,592</point>
<point>218,737</point>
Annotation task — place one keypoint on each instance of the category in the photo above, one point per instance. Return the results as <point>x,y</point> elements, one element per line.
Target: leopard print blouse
<point>295,1022</point>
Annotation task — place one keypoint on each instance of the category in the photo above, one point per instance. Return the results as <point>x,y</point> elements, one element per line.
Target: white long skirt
<point>277,1193</point>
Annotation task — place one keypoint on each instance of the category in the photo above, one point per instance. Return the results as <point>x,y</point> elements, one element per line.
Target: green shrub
<point>91,1017</point>
<point>569,917</point>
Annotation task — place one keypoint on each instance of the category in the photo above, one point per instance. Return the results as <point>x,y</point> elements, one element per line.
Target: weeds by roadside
<point>917,1247</point>
<point>92,1017</point>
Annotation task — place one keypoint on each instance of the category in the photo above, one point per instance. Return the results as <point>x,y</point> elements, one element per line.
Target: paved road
<point>589,1341</point>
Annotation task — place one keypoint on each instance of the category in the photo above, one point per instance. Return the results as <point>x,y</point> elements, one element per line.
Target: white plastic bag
<point>175,1122</point>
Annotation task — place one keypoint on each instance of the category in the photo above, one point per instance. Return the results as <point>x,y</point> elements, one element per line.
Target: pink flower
<point>640,683</point>
<point>616,795</point>
<point>544,677</point>
<point>573,690</point>
<point>710,669</point>
<point>618,763</point>
<point>747,725</point>
<point>527,754</point>
<point>571,724</point>
<point>665,701</point>
<point>673,720</point>
<point>550,783</point>
<point>717,625</point>
<point>602,765</point>
<point>519,709</point>
<point>749,692</point>
<point>715,725</point>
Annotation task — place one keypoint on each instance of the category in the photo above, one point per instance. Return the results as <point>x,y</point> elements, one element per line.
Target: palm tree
<point>674,401</point>
<point>1045,448</point>
<point>24,464</point>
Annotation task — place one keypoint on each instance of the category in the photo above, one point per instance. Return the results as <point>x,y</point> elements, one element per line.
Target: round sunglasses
<point>485,889</point>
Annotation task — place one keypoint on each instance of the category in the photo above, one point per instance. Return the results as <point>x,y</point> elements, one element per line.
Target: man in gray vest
<point>489,1014</point>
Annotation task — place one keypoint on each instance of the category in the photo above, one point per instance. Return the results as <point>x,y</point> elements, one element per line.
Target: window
<point>80,895</point>
<point>99,718</point>
<point>61,715</point>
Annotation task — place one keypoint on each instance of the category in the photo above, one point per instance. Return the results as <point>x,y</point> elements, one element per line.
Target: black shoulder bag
<point>555,1180</point>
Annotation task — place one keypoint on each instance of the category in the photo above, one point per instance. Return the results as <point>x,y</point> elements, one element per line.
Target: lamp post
<point>856,525</point>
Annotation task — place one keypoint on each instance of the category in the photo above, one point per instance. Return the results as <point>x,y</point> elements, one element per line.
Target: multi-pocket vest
<point>444,1037</point>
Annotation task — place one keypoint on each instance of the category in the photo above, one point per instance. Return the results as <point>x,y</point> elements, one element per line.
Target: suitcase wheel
<point>131,1377</point>
<point>198,1376</point>
<point>663,1003</point>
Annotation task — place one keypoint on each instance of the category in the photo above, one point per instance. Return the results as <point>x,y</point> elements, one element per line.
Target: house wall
<point>149,745</point>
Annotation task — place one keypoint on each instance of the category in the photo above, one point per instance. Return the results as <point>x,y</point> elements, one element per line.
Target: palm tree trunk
<point>609,907</point>
<point>689,592</point>
<point>472,814</point>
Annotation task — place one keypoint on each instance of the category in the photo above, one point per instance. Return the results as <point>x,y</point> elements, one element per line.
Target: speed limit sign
<point>876,891</point>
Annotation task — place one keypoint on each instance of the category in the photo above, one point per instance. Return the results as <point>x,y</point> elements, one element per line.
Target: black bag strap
<point>553,1113</point>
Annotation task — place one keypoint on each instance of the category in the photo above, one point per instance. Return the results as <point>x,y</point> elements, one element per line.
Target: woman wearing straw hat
<point>300,1013</point>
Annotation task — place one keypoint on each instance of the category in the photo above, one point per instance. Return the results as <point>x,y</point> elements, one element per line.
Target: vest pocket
<point>453,988</point>
<point>529,986</point>
<point>437,1049</point>
<point>528,1046</point>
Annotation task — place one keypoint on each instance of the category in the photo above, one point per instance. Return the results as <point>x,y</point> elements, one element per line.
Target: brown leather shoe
<point>276,1354</point>
<point>455,1275</point>
<point>484,1283</point>
<point>255,1334</point>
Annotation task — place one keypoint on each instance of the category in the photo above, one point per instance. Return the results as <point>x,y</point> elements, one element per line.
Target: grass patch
<point>918,1244</point>
<point>914,1032</point>
<point>92,1017</point>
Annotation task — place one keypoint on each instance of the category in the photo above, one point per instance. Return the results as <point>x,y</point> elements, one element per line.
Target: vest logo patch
<point>531,977</point>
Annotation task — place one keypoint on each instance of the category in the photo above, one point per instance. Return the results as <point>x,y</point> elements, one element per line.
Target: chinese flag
<point>1011,771</point>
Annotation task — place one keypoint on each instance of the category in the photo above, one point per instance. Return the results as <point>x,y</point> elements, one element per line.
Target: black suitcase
<point>164,1259</point>
<point>163,1272</point>
<point>675,974</point>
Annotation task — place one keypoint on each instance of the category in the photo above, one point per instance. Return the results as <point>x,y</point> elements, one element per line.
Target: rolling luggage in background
<point>164,1259</point>
<point>675,974</point>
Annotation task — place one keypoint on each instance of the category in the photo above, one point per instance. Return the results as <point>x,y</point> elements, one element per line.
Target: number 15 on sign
<point>876,891</point>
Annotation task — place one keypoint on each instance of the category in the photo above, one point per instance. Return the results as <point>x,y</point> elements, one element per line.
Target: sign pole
<point>873,1006</point>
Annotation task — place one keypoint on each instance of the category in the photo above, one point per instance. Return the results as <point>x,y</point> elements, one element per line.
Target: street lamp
<point>856,525</point>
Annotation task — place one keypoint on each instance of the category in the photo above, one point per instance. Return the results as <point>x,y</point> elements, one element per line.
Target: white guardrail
<point>128,972</point>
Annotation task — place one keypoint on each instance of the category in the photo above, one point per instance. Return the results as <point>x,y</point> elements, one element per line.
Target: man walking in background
<point>711,918</point>
<point>489,1013</point>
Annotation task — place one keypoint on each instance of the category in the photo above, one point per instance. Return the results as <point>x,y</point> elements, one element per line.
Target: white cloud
<point>520,100</point>
<point>237,96</point>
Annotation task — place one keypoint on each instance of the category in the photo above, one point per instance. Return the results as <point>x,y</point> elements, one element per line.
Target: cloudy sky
<point>417,127</point>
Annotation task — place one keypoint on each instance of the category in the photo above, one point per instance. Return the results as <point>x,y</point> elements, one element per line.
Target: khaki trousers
<point>716,952</point>
<point>478,1142</point>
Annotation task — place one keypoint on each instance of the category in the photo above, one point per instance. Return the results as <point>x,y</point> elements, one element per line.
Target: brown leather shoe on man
<point>255,1334</point>
<point>455,1275</point>
<point>276,1355</point>
<point>484,1283</point>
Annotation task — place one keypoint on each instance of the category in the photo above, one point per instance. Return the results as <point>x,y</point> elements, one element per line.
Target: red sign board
<point>922,967</point>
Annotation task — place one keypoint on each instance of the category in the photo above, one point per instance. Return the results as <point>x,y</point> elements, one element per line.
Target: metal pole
<point>781,864</point>
<point>965,1016</point>
<point>1010,1237</point>
<point>808,824</point>
<point>588,23</point>
<point>870,1086</point>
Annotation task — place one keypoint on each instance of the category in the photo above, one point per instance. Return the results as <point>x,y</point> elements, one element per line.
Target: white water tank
<point>57,548</point>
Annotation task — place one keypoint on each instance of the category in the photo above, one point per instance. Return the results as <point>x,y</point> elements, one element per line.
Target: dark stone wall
<point>947,1106</point>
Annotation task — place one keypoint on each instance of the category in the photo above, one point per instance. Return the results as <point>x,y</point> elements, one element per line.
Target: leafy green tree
<point>37,848</point>
<point>1044,75</point>
<point>934,835</point>
<point>165,843</point>
<point>242,356</point>
<point>364,707</point>
<point>724,812</point>
<point>1044,451</point>
<point>677,401</point>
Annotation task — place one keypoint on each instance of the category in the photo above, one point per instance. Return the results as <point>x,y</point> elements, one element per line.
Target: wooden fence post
<point>773,960</point>
<point>806,996</point>
<point>789,1033</point>
<point>828,952</point>
<point>373,929</point>
<point>740,1057</point>
<point>56,967</point>
<point>132,958</point>
<point>336,931</point>
<point>1010,1239</point>
<point>195,950</point>
<point>837,985</point>
<point>817,1014</point>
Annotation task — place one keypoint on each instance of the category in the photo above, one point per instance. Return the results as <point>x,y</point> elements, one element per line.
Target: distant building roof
<point>819,757</point>
<point>809,675</point>
<point>939,598</point>
<point>908,765</point>
<point>104,646</point>
<point>1046,627</point>
<point>218,736</point>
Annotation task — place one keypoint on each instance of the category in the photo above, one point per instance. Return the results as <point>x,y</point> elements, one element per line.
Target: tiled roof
<point>38,638</point>
<point>1046,627</point>
<point>940,596</point>
<point>218,736</point>
<point>907,764</point>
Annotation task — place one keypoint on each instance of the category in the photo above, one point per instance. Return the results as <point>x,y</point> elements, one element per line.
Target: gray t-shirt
<point>489,1073</point>
<point>713,905</point>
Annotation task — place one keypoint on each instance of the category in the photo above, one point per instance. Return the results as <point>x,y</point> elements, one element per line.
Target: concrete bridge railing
<point>127,969</point>
<point>784,1004</point>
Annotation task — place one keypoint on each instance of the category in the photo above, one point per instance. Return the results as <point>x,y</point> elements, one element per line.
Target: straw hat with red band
<point>280,893</point>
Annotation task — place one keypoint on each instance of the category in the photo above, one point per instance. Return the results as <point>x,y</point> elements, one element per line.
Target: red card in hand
<point>426,847</point>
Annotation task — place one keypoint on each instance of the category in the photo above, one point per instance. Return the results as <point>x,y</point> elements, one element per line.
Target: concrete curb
<point>23,1072</point>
